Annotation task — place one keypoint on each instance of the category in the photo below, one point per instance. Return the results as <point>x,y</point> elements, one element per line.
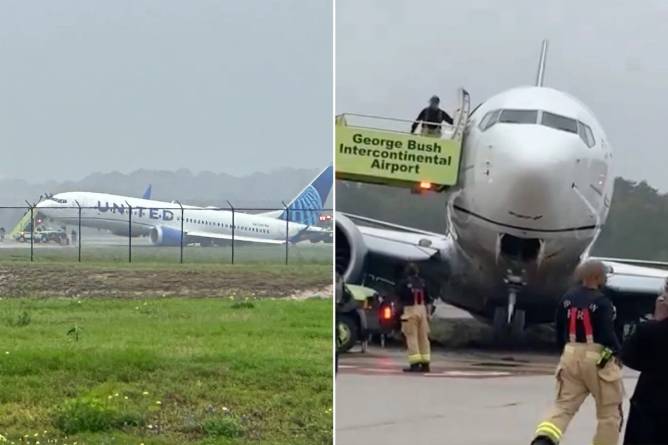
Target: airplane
<point>163,222</point>
<point>534,192</point>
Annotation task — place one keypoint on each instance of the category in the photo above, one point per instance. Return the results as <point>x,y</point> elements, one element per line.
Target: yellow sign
<point>400,158</point>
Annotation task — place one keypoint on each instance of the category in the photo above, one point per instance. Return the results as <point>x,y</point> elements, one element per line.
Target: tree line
<point>634,228</point>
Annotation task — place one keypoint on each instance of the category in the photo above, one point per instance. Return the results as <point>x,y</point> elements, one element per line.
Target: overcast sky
<point>392,55</point>
<point>226,86</point>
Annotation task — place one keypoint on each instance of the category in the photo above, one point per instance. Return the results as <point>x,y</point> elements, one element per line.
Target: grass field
<point>165,371</point>
<point>301,253</point>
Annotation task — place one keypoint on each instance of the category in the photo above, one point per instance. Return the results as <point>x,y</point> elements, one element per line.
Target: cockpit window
<point>59,200</point>
<point>559,122</point>
<point>585,133</point>
<point>489,119</point>
<point>548,119</point>
<point>519,116</point>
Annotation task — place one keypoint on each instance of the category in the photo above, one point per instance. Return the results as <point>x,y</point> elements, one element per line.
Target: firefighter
<point>646,350</point>
<point>416,303</point>
<point>431,118</point>
<point>588,364</point>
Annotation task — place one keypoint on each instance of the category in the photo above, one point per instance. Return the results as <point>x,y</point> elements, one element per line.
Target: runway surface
<point>471,398</point>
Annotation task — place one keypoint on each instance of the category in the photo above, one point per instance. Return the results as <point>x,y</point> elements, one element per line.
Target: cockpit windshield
<point>552,120</point>
<point>58,200</point>
<point>559,122</point>
<point>519,116</point>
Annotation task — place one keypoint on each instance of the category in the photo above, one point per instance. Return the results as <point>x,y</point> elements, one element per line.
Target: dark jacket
<point>413,290</point>
<point>601,311</point>
<point>646,351</point>
<point>435,115</point>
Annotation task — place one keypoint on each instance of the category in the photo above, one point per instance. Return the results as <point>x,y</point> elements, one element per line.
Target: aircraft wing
<point>372,247</point>
<point>635,277</point>
<point>315,234</point>
<point>635,283</point>
<point>399,245</point>
<point>223,236</point>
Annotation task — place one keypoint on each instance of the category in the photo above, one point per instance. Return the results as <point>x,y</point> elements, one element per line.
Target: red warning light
<point>386,313</point>
<point>424,185</point>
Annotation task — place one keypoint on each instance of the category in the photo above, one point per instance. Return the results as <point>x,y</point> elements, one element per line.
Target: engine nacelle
<point>351,250</point>
<point>165,236</point>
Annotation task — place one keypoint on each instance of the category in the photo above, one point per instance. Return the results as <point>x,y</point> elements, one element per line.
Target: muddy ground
<point>55,280</point>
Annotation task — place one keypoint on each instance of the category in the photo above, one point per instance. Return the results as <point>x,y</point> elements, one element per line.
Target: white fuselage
<point>112,212</point>
<point>531,197</point>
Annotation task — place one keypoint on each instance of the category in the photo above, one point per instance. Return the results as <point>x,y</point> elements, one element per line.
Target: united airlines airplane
<point>535,189</point>
<point>163,221</point>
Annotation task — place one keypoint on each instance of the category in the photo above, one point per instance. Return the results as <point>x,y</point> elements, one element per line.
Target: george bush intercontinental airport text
<point>383,151</point>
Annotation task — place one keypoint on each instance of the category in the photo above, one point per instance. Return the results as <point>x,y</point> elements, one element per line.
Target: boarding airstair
<point>382,150</point>
<point>23,225</point>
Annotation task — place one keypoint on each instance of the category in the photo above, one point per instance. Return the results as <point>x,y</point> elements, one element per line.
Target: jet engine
<point>351,251</point>
<point>165,236</point>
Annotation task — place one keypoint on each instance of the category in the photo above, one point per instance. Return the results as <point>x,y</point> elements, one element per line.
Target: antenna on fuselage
<point>540,76</point>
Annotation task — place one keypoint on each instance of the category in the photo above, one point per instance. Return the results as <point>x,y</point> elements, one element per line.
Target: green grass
<point>165,371</point>
<point>303,253</point>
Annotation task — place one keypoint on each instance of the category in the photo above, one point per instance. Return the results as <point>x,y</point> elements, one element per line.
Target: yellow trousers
<point>577,377</point>
<point>415,326</point>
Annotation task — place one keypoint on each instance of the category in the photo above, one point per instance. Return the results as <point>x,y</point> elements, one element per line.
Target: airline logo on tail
<point>306,207</point>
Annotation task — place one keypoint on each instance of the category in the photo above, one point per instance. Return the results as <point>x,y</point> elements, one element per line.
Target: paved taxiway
<point>474,396</point>
<point>470,398</point>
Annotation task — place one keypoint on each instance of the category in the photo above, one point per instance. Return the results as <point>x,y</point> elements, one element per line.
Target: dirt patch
<point>323,292</point>
<point>125,282</point>
<point>465,333</point>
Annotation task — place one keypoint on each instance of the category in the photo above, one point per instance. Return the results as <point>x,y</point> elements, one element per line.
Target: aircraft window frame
<point>489,119</point>
<point>586,134</point>
<point>555,126</point>
<point>522,120</point>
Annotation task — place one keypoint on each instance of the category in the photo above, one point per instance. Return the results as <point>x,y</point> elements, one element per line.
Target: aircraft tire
<point>500,325</point>
<point>509,335</point>
<point>518,326</point>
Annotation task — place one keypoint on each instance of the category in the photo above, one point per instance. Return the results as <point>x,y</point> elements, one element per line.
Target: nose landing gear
<point>509,322</point>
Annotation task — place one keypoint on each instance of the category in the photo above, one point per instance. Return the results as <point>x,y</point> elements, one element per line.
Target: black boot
<point>542,440</point>
<point>415,367</point>
<point>425,367</point>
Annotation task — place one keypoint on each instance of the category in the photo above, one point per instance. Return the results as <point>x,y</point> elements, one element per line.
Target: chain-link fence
<point>112,232</point>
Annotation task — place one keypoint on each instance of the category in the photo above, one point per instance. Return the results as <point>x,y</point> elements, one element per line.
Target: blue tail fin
<point>147,192</point>
<point>306,207</point>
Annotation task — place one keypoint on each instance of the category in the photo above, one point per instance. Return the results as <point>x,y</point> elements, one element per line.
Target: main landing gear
<point>510,322</point>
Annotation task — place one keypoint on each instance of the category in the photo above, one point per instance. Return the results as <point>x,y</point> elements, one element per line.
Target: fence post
<point>181,246</point>
<point>287,229</point>
<point>32,229</point>
<point>232,207</point>
<point>129,232</point>
<point>79,238</point>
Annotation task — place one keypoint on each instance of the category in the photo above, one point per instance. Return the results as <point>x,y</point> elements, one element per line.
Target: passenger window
<point>559,122</point>
<point>519,117</point>
<point>489,119</point>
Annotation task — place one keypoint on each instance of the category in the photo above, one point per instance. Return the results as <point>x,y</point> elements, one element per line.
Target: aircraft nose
<point>535,168</point>
<point>48,206</point>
